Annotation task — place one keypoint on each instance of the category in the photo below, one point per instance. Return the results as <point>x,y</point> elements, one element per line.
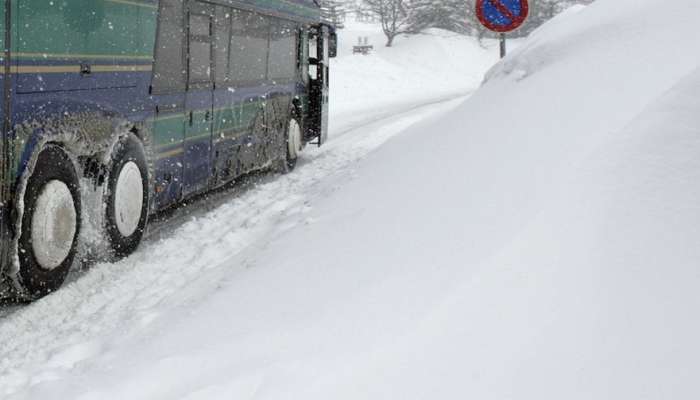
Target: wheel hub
<point>294,143</point>
<point>54,224</point>
<point>128,199</point>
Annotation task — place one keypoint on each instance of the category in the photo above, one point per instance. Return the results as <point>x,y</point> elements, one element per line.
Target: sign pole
<point>503,44</point>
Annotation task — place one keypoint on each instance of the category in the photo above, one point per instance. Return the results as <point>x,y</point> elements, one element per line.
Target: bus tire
<point>126,197</point>
<point>293,144</point>
<point>50,226</point>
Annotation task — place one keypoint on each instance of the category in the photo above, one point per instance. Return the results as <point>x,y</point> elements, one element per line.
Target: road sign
<point>502,15</point>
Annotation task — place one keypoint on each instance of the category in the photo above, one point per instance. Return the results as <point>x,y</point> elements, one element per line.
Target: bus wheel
<point>50,224</point>
<point>126,210</point>
<point>294,145</point>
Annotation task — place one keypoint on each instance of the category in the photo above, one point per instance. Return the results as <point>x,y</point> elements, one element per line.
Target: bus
<point>114,110</point>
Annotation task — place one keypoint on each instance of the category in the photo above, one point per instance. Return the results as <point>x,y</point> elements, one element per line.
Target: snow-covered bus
<point>116,109</point>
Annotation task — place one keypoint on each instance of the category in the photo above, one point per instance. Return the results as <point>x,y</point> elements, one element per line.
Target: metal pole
<point>503,44</point>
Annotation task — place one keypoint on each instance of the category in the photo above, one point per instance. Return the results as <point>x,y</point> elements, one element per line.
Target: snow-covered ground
<point>86,340</point>
<point>432,66</point>
<point>539,240</point>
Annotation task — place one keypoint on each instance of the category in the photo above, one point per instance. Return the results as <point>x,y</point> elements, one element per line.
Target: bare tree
<point>394,15</point>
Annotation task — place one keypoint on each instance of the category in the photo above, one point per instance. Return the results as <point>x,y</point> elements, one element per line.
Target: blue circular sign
<point>502,15</point>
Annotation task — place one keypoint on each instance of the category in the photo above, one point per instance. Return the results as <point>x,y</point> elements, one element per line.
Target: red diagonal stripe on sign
<point>503,9</point>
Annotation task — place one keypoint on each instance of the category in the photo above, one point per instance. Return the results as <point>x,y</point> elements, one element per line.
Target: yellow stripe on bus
<point>120,68</point>
<point>134,3</point>
<point>62,69</point>
<point>171,153</point>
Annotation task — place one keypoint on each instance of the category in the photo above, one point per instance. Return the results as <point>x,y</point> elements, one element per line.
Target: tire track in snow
<point>184,258</point>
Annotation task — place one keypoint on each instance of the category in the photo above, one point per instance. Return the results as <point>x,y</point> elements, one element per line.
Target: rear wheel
<point>50,224</point>
<point>126,210</point>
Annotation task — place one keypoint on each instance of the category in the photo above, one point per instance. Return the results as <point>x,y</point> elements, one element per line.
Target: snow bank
<point>543,241</point>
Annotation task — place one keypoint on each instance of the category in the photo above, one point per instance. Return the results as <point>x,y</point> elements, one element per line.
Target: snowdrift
<point>542,241</point>
<point>545,236</point>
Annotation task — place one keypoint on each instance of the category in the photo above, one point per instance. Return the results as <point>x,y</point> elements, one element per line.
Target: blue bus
<point>116,109</point>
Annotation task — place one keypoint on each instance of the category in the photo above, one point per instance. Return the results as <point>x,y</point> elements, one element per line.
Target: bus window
<point>303,56</point>
<point>200,43</point>
<point>313,57</point>
<point>169,73</point>
<point>282,63</point>
<point>222,33</point>
<point>249,45</point>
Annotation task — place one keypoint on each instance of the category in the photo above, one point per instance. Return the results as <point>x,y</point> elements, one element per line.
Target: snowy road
<point>186,257</point>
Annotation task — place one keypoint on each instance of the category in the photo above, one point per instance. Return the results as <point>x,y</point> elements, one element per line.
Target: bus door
<point>321,47</point>
<point>199,98</point>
